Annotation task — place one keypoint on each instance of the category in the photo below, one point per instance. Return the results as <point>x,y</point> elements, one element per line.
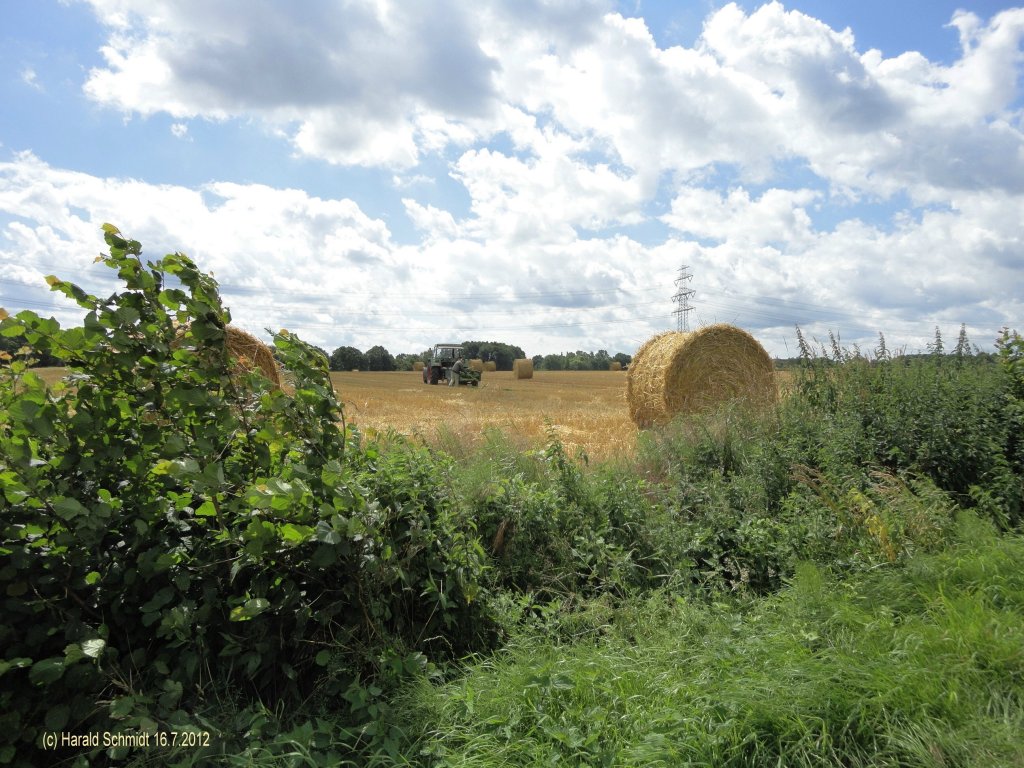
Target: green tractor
<point>442,358</point>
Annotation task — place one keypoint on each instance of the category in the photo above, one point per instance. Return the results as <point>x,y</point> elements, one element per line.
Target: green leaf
<point>57,717</point>
<point>295,534</point>
<point>324,557</point>
<point>19,662</point>
<point>326,534</point>
<point>159,600</point>
<point>93,648</point>
<point>251,608</point>
<point>92,577</point>
<point>206,509</point>
<point>17,588</point>
<point>46,671</point>
<point>69,509</point>
<point>121,707</point>
<point>172,298</point>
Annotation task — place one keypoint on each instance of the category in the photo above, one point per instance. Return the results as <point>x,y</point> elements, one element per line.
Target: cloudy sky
<point>531,171</point>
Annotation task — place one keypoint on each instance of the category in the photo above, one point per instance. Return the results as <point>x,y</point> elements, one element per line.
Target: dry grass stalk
<point>498,542</point>
<point>522,368</point>
<point>675,373</point>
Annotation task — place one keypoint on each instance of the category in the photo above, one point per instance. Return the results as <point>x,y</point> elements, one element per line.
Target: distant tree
<point>11,344</point>
<point>963,345</point>
<point>622,357</point>
<point>404,361</point>
<point>503,355</point>
<point>881,351</point>
<point>379,359</point>
<point>538,362</point>
<point>554,363</point>
<point>347,358</point>
<point>579,361</point>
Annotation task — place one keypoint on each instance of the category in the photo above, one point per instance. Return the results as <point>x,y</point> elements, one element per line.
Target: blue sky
<point>372,172</point>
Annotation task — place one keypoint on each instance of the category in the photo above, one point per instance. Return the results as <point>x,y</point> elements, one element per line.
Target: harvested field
<point>586,409</point>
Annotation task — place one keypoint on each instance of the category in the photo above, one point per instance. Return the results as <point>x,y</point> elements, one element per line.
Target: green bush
<point>952,419</point>
<point>172,528</point>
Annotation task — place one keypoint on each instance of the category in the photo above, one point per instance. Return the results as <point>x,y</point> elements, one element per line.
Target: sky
<point>535,172</point>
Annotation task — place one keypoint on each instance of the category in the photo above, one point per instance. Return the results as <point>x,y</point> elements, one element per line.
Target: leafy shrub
<point>951,419</point>
<point>172,528</point>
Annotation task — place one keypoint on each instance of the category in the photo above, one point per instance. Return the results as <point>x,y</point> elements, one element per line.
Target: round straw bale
<point>251,354</point>
<point>247,352</point>
<point>476,364</point>
<point>490,365</point>
<point>523,368</point>
<point>418,365</point>
<point>615,365</point>
<point>677,372</point>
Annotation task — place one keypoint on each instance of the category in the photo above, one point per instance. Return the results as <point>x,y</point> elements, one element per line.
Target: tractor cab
<point>442,358</point>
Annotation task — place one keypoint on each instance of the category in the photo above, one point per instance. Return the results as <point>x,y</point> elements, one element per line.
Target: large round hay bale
<point>476,364</point>
<point>675,373</point>
<point>247,352</point>
<point>490,365</point>
<point>418,365</point>
<point>615,365</point>
<point>523,368</point>
<point>252,354</point>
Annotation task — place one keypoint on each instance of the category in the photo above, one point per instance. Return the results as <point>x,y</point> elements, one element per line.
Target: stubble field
<point>586,409</point>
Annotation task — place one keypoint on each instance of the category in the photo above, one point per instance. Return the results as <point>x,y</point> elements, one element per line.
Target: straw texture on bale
<point>249,352</point>
<point>523,368</point>
<point>615,366</point>
<point>418,365</point>
<point>675,373</point>
<point>476,364</point>
<point>490,365</point>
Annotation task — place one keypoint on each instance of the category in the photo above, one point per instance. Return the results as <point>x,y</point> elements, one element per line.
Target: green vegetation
<point>184,548</point>
<point>918,666</point>
<point>580,361</point>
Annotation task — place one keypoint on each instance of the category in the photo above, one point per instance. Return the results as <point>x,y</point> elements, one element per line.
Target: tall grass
<point>920,666</point>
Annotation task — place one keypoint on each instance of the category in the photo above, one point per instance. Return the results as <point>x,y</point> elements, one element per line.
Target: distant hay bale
<point>615,366</point>
<point>675,373</point>
<point>523,368</point>
<point>476,364</point>
<point>252,354</point>
<point>418,365</point>
<point>490,365</point>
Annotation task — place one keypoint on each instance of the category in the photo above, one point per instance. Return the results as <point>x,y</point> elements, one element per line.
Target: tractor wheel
<point>475,383</point>
<point>433,376</point>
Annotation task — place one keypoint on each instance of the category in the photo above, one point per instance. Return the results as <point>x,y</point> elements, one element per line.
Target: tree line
<point>503,355</point>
